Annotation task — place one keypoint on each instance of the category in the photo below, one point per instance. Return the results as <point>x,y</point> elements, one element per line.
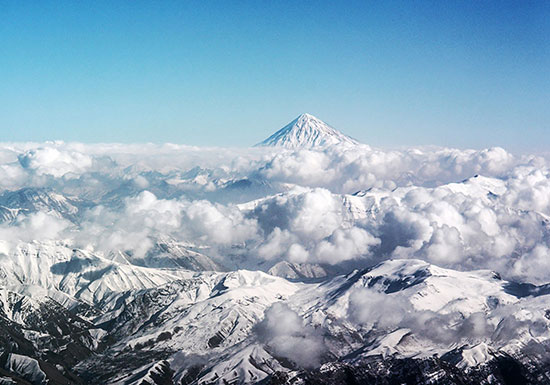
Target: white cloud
<point>344,245</point>
<point>534,265</point>
<point>38,226</point>
<point>388,312</point>
<point>284,331</point>
<point>219,224</point>
<point>414,203</point>
<point>55,162</point>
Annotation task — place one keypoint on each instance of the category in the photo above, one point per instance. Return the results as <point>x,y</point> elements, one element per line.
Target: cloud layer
<point>348,206</point>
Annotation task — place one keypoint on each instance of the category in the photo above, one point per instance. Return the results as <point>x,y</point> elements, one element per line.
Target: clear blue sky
<point>467,74</point>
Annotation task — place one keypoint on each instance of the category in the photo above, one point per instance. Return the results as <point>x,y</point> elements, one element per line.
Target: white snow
<point>307,131</point>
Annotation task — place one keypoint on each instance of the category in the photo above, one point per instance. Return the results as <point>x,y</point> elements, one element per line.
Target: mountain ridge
<point>156,321</point>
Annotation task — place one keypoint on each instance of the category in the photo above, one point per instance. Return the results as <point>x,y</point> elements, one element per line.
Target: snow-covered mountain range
<point>310,259</point>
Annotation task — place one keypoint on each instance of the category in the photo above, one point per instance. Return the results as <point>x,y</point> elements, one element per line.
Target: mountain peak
<point>307,131</point>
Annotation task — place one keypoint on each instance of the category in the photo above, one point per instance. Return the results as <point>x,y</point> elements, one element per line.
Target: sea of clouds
<point>343,206</point>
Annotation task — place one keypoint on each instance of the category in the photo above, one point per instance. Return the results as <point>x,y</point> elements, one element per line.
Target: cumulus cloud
<point>284,332</point>
<point>377,309</point>
<point>350,169</point>
<point>219,224</point>
<point>55,162</point>
<point>387,312</point>
<point>334,205</point>
<point>534,265</point>
<point>310,226</point>
<point>345,244</point>
<point>144,218</point>
<point>37,226</point>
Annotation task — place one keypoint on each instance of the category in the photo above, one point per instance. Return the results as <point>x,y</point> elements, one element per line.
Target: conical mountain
<point>307,131</point>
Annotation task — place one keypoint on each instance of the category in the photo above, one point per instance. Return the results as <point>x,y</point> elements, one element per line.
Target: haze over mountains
<point>171,264</point>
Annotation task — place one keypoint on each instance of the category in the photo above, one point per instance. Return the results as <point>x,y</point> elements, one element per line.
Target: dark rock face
<point>502,370</point>
<point>161,376</point>
<point>59,345</point>
<point>79,363</point>
<point>64,341</point>
<point>522,290</point>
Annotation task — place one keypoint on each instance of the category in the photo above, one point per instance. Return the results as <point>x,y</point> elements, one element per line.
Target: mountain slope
<point>31,200</point>
<point>306,131</point>
<point>206,327</point>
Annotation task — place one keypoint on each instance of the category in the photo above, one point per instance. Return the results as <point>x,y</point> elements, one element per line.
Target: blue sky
<point>458,73</point>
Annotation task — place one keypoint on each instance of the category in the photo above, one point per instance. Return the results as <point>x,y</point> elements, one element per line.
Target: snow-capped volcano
<point>306,131</point>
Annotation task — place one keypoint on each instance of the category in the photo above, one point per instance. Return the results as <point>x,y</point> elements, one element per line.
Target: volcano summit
<point>307,131</point>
